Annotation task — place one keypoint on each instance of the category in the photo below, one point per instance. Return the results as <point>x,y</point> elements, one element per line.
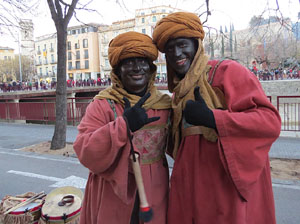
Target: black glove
<point>197,113</point>
<point>136,116</point>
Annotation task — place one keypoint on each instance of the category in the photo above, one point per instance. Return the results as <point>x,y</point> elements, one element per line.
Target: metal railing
<point>43,110</point>
<point>289,110</point>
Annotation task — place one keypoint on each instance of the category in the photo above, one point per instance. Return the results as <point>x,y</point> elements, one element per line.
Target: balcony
<point>53,62</point>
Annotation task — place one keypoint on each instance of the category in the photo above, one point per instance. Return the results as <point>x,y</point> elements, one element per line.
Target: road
<point>21,171</point>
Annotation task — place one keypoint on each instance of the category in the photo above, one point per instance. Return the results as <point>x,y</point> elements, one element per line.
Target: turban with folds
<point>178,24</point>
<point>131,44</point>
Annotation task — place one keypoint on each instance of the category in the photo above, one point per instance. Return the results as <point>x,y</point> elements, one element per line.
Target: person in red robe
<point>223,126</point>
<point>103,144</point>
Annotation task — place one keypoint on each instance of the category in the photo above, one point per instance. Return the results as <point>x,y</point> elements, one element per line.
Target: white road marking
<point>60,182</point>
<point>41,157</point>
<point>296,187</point>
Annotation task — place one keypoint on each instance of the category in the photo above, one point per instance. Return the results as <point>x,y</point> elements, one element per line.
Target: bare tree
<point>11,11</point>
<point>61,13</point>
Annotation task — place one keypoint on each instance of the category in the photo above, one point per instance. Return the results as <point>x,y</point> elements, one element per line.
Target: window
<point>144,31</point>
<point>73,31</point>
<point>77,54</point>
<point>85,43</point>
<point>86,54</point>
<point>83,30</point>
<point>46,60</point>
<point>154,19</point>
<point>76,45</point>
<point>53,70</point>
<point>163,68</point>
<point>163,10</point>
<point>70,65</point>
<point>40,60</point>
<point>77,64</point>
<point>46,70</point>
<point>41,71</point>
<point>5,57</point>
<point>45,47</point>
<point>143,20</point>
<point>69,45</point>
<point>158,69</point>
<point>153,11</point>
<point>52,58</point>
<point>106,63</point>
<point>142,13</point>
<point>69,55</point>
<point>86,64</point>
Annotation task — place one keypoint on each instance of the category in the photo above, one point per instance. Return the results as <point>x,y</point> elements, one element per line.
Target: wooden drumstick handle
<point>145,210</point>
<point>139,182</point>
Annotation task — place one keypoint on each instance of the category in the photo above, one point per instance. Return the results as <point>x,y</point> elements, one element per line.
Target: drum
<point>62,205</point>
<point>27,214</point>
<point>32,209</point>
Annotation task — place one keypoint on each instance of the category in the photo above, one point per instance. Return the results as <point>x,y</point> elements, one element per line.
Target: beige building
<point>143,22</point>
<point>83,60</point>
<point>6,58</point>
<point>46,56</point>
<point>6,53</point>
<point>82,53</point>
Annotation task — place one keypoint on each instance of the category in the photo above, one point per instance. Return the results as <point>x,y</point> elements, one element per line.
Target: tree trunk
<point>59,137</point>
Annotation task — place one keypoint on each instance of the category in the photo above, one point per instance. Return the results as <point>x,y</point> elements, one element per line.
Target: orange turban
<point>178,24</point>
<point>131,44</point>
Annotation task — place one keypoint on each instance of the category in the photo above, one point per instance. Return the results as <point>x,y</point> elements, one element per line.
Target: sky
<point>223,12</point>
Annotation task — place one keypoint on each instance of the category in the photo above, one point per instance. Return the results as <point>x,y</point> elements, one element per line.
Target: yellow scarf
<point>184,91</point>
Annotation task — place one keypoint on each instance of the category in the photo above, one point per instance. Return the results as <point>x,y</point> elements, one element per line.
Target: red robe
<point>103,147</point>
<point>228,182</point>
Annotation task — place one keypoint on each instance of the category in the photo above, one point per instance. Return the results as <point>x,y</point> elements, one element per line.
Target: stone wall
<point>290,87</point>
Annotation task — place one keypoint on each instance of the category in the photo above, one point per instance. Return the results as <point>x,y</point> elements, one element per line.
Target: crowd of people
<point>45,85</point>
<point>262,75</point>
<point>277,74</point>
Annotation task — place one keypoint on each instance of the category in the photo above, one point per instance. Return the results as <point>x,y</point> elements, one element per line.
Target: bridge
<point>39,106</point>
<point>86,91</point>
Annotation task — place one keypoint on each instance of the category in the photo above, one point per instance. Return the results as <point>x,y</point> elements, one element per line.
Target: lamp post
<point>20,62</point>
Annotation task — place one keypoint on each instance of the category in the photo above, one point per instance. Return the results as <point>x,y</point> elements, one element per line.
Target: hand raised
<point>136,116</point>
<point>197,113</point>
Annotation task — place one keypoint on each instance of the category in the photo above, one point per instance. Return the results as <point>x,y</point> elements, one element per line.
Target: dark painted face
<point>180,53</point>
<point>135,74</point>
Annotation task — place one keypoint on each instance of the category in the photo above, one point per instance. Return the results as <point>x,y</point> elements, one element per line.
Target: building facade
<point>143,22</point>
<point>7,56</point>
<point>46,56</point>
<point>82,54</point>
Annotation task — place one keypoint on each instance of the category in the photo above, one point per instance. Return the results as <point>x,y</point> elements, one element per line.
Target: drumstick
<point>23,199</point>
<point>145,210</point>
<point>29,200</point>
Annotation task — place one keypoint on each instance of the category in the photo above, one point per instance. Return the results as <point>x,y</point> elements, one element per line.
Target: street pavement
<point>61,170</point>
